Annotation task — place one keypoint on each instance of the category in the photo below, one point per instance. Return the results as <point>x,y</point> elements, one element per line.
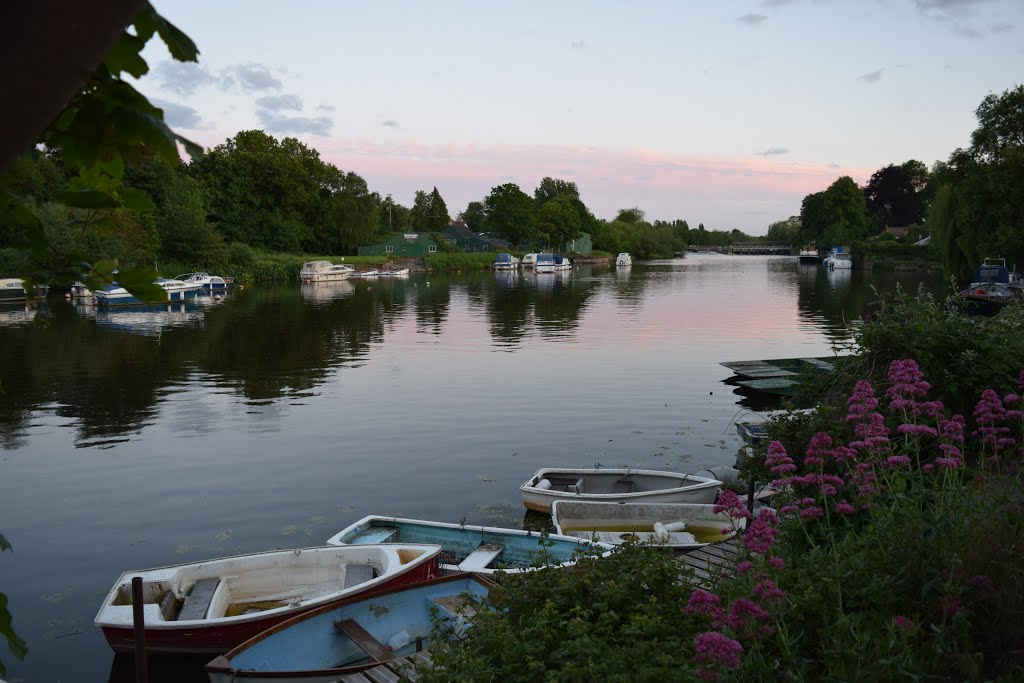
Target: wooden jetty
<point>712,561</point>
<point>396,670</point>
<point>780,375</point>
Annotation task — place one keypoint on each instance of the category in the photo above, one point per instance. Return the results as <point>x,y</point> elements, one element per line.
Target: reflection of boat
<point>16,313</point>
<point>839,277</point>
<point>506,262</point>
<point>623,259</point>
<point>613,485</point>
<point>466,547</point>
<point>214,605</point>
<point>176,290</point>
<point>12,289</point>
<point>681,526</point>
<point>529,260</point>
<point>211,283</point>
<point>506,278</point>
<point>809,255</point>
<point>552,281</point>
<point>324,271</point>
<point>145,320</point>
<point>357,634</point>
<point>551,263</point>
<point>325,291</point>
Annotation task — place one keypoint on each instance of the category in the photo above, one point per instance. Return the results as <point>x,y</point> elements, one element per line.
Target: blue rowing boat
<point>354,635</point>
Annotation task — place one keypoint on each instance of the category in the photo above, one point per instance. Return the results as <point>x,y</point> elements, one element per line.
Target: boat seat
<point>481,557</point>
<point>198,601</point>
<point>364,640</point>
<point>456,605</point>
<point>623,486</point>
<point>356,574</point>
<point>377,535</point>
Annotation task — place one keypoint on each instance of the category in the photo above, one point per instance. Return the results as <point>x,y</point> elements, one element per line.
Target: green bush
<point>452,262</point>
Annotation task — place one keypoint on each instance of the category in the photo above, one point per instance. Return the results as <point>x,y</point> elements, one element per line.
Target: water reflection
<point>319,292</point>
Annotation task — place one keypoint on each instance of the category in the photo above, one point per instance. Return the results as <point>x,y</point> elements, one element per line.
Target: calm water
<point>133,439</point>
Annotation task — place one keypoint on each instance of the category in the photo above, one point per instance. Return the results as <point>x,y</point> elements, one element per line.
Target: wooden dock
<point>395,671</point>
<point>712,561</point>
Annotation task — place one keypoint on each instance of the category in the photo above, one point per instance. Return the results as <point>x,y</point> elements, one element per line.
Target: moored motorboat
<point>680,526</point>
<point>365,273</point>
<point>551,263</point>
<point>528,260</point>
<point>397,272</point>
<point>465,547</point>
<point>505,261</point>
<point>325,271</point>
<point>615,485</point>
<point>210,283</point>
<point>809,254</point>
<point>623,259</point>
<point>175,290</point>
<point>12,289</point>
<point>355,634</point>
<point>213,605</point>
<point>990,291</point>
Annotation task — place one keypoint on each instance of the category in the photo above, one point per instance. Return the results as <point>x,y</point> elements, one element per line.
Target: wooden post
<point>139,626</point>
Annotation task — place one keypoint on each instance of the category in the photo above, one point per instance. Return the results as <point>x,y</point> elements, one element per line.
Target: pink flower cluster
<point>907,386</point>
<point>715,648</point>
<point>991,417</point>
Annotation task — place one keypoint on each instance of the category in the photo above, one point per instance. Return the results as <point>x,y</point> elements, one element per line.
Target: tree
<point>813,221</point>
<point>846,211</point>
<point>550,188</point>
<point>558,221</point>
<point>895,195</point>
<point>1000,125</point>
<point>510,213</point>
<point>474,215</point>
<point>438,218</point>
<point>787,231</point>
<point>632,216</point>
<point>420,213</point>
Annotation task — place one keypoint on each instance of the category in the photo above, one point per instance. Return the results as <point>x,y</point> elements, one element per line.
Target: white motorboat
<point>506,262</point>
<point>176,290</point>
<point>211,283</point>
<point>213,605</point>
<point>528,260</point>
<point>680,526</point>
<point>623,259</point>
<point>615,485</point>
<point>325,271</point>
<point>12,289</point>
<point>551,263</point>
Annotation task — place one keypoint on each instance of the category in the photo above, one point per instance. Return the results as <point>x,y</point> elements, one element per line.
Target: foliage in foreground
<point>897,551</point>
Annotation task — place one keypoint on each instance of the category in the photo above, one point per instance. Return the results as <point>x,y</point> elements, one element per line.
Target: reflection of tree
<point>628,287</point>
<point>842,298</point>
<point>433,298</point>
<point>560,300</point>
<point>509,308</point>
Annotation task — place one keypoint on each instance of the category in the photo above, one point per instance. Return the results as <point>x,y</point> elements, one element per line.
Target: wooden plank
<point>366,642</point>
<point>405,668</point>
<point>356,574</point>
<point>198,601</point>
<point>481,557</point>
<point>382,674</point>
<point>354,678</point>
<point>819,363</point>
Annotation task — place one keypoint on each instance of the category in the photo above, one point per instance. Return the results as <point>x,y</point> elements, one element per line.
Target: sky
<point>724,112</point>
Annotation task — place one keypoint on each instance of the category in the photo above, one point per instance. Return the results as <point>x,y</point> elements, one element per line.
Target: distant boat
<point>680,526</point>
<point>466,547</point>
<point>214,605</point>
<point>325,271</point>
<point>528,260</point>
<point>78,290</point>
<point>356,634</point>
<point>365,273</point>
<point>991,290</point>
<point>505,262</point>
<point>12,289</point>
<point>615,485</point>
<point>809,255</point>
<point>623,259</point>
<point>210,283</point>
<point>551,263</point>
<point>175,290</point>
<point>752,433</point>
<point>397,272</point>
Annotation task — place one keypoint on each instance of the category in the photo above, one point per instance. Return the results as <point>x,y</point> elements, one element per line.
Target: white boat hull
<point>603,485</point>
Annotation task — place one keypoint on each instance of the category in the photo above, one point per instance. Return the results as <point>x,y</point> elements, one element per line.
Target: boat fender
<point>724,474</point>
<point>660,533</point>
<point>543,484</point>
<point>675,526</point>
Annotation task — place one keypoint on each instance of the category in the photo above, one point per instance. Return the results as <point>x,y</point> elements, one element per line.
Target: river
<point>277,416</point>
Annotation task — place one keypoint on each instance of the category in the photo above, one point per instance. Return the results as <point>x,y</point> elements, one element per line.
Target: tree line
<point>972,205</point>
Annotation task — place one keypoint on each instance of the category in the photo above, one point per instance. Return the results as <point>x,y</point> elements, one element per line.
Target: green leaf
<point>178,44</point>
<point>194,150</point>
<point>139,281</point>
<point>145,23</point>
<point>4,544</point>
<point>88,199</point>
<point>124,56</point>
<point>17,645</point>
<point>137,200</point>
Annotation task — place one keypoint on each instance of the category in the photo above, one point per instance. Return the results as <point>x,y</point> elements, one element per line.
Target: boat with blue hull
<point>176,290</point>
<point>466,547</point>
<point>349,636</point>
